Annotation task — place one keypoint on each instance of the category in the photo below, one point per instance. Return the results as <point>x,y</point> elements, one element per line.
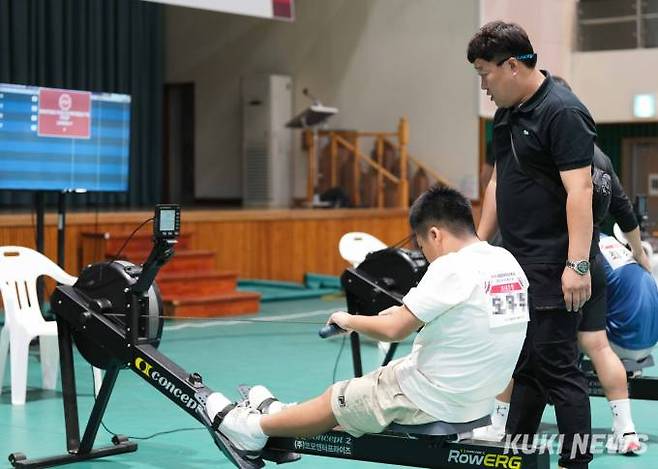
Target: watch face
<point>582,267</point>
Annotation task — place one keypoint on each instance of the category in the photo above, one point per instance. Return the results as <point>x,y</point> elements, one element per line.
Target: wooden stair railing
<point>384,176</point>
<point>420,165</point>
<point>356,171</point>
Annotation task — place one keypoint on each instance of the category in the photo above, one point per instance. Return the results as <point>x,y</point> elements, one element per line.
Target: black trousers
<point>548,369</point>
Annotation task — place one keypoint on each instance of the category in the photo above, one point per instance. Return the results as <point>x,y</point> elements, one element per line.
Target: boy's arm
<point>391,325</point>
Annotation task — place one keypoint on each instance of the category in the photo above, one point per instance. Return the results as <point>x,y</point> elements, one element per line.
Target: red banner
<point>64,113</point>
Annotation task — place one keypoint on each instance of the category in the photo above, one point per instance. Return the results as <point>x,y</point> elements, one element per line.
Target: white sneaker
<point>623,443</point>
<point>489,433</point>
<point>240,425</point>
<point>261,399</point>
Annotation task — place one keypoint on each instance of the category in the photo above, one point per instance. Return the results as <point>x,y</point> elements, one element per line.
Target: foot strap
<point>262,408</point>
<point>237,457</point>
<point>217,420</point>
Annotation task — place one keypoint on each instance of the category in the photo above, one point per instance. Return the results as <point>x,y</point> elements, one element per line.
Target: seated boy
<point>472,307</point>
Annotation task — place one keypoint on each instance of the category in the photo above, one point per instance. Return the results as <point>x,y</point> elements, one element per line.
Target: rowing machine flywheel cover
<point>110,283</point>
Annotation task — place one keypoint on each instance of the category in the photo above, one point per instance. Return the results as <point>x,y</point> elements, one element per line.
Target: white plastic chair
<point>356,245</point>
<point>19,269</point>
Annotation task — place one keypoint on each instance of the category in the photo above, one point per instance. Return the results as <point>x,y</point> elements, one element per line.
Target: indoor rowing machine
<point>113,313</point>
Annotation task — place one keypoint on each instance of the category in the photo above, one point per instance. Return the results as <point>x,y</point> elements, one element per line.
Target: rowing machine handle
<point>330,330</point>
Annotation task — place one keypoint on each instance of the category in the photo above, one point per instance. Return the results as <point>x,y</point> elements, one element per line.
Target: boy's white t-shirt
<point>474,306</point>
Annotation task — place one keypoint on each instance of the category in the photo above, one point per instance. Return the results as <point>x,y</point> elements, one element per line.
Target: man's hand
<point>341,319</point>
<point>576,289</point>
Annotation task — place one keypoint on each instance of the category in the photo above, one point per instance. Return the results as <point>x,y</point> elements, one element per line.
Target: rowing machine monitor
<point>166,222</point>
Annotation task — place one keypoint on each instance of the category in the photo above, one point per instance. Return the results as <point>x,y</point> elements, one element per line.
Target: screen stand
<point>39,208</point>
<point>61,229</point>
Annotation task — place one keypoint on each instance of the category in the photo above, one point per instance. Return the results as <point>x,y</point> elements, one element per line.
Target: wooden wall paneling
<point>279,245</point>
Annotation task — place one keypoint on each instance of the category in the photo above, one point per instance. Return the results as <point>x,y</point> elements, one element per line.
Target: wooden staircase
<point>189,283</point>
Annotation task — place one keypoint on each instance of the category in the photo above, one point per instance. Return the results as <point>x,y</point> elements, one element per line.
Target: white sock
<point>622,421</point>
<point>215,403</point>
<point>253,422</point>
<point>499,414</point>
<point>260,393</point>
<point>275,407</point>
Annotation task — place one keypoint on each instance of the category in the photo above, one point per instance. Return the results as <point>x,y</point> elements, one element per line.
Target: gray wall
<point>376,60</point>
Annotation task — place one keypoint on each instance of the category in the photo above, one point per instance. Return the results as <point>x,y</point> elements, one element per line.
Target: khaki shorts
<point>371,403</point>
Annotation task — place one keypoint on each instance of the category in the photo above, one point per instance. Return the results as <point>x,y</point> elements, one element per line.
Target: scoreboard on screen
<point>54,139</point>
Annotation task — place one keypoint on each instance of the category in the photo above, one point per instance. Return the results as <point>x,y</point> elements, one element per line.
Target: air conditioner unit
<point>266,142</point>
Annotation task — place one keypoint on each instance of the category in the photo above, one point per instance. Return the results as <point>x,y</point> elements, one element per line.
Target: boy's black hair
<point>442,206</point>
<point>497,41</point>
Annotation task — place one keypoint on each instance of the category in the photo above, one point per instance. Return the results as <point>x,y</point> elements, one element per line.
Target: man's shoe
<point>624,443</point>
<point>489,433</point>
<point>240,424</point>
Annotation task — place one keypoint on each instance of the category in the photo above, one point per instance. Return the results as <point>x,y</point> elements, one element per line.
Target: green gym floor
<point>281,350</point>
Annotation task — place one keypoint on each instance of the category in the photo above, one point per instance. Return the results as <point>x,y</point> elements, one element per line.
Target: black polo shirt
<point>552,132</point>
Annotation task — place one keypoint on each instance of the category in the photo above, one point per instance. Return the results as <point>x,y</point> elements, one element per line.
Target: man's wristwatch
<point>581,267</point>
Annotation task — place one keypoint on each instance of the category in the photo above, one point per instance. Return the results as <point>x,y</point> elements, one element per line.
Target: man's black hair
<point>497,40</point>
<point>442,206</point>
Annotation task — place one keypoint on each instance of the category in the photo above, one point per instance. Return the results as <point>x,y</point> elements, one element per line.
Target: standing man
<point>540,197</point>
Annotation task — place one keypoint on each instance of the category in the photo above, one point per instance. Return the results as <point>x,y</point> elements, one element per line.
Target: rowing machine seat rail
<point>440,428</point>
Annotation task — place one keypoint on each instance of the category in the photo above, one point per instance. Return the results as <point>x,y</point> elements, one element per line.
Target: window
<point>617,24</point>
